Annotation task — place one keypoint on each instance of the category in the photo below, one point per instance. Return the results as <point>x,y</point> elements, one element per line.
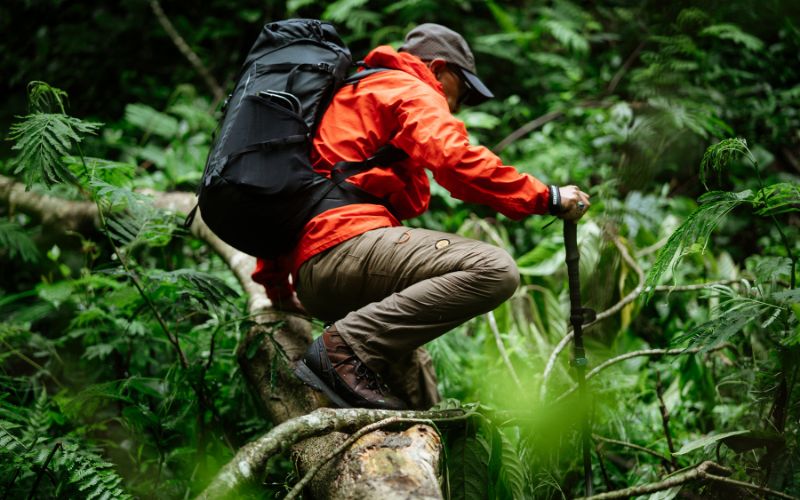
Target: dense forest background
<point>680,118</point>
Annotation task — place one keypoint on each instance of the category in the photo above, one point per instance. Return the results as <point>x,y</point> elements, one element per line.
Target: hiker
<point>384,288</point>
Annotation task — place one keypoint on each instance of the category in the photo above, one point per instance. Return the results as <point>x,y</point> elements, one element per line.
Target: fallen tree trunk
<point>386,464</point>
<point>394,464</point>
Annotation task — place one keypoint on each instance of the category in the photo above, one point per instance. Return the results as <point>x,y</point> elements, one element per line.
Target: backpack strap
<point>268,145</point>
<point>338,190</point>
<point>386,155</point>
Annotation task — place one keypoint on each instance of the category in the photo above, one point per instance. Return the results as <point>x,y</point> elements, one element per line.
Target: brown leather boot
<point>331,366</point>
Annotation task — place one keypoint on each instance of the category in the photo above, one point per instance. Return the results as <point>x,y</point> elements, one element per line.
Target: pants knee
<point>503,275</point>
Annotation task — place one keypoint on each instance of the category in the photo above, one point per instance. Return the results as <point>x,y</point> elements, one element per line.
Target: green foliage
<point>625,99</point>
<point>733,33</point>
<point>111,325</point>
<point>43,140</point>
<point>17,242</point>
<point>28,449</point>
<point>692,236</point>
<point>467,463</point>
<point>151,121</point>
<point>43,98</point>
<point>211,292</point>
<point>719,156</point>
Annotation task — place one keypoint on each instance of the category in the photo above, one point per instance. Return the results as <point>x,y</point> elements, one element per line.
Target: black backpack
<point>259,188</point>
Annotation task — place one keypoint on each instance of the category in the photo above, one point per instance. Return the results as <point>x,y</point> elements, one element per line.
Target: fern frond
<point>692,16</point>
<point>89,473</point>
<point>720,155</point>
<point>9,444</point>
<point>141,224</point>
<point>88,399</point>
<point>38,421</point>
<point>735,34</point>
<point>675,45</point>
<point>503,18</point>
<point>733,316</point>
<point>210,291</point>
<point>681,114</point>
<point>769,268</point>
<point>115,198</point>
<point>340,10</point>
<point>195,115</point>
<point>693,234</point>
<point>44,98</point>
<point>43,140</point>
<point>567,36</point>
<point>15,239</point>
<point>775,199</point>
<point>111,172</point>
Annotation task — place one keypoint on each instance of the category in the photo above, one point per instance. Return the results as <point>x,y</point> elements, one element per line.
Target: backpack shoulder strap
<point>365,72</point>
<point>386,155</point>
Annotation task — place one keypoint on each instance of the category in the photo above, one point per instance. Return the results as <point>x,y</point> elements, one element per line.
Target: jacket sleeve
<point>433,137</point>
<point>274,275</point>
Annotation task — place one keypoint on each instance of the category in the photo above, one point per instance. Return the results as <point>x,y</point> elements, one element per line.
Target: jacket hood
<point>386,57</point>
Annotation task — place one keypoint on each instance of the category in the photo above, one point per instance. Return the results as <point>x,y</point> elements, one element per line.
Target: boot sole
<point>311,379</point>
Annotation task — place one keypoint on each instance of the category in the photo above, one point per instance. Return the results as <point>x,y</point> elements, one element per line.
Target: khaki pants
<point>391,290</point>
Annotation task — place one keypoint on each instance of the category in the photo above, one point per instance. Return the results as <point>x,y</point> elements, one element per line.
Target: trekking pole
<point>579,360</point>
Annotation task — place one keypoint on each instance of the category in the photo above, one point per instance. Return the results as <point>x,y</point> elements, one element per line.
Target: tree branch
<point>187,51</point>
<point>706,471</point>
<point>52,211</point>
<point>631,445</point>
<point>43,469</point>
<point>665,422</point>
<point>633,354</point>
<point>612,86</point>
<point>502,348</point>
<point>526,129</point>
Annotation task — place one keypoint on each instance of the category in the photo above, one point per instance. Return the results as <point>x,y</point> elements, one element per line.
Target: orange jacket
<point>408,110</point>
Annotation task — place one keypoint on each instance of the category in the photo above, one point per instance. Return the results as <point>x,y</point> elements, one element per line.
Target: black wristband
<point>554,205</point>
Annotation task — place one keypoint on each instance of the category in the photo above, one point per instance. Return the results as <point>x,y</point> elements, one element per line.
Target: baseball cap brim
<point>478,91</point>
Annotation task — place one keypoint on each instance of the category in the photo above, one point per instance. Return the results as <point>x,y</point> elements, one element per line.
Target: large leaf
<point>151,121</point>
<point>513,472</point>
<point>705,441</point>
<point>468,468</point>
<point>545,259</point>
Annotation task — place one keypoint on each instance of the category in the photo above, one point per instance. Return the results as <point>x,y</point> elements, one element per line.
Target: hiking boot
<point>330,366</point>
